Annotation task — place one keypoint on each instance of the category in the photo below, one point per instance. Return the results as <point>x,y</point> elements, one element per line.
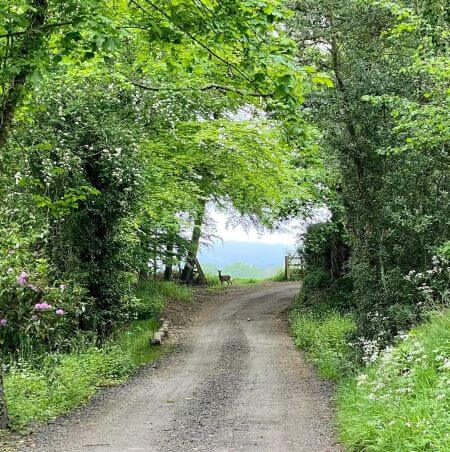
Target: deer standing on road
<point>224,278</point>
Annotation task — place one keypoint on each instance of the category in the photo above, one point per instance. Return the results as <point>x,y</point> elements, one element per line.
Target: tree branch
<point>36,30</point>
<point>212,86</point>
<point>195,39</point>
<point>13,94</point>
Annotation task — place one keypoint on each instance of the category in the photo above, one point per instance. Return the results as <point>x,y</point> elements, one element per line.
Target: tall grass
<point>402,401</point>
<point>150,296</point>
<point>325,339</point>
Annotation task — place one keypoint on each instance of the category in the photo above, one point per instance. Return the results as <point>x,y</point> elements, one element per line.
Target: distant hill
<point>240,270</point>
<point>261,255</point>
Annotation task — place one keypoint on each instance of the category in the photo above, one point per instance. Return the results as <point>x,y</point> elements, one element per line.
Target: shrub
<point>402,401</point>
<point>37,317</point>
<point>145,305</point>
<point>316,280</point>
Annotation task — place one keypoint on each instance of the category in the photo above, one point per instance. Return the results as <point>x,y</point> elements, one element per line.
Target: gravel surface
<point>236,383</point>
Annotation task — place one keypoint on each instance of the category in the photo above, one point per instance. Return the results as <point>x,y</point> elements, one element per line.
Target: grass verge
<point>59,382</point>
<point>401,401</point>
<point>324,337</point>
<point>65,381</point>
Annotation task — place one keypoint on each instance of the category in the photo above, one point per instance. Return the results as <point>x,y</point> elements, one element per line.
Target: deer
<point>224,278</point>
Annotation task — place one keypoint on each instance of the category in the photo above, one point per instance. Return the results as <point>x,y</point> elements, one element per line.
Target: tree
<point>376,53</point>
<point>246,164</point>
<point>34,33</point>
<point>85,89</point>
<point>3,408</point>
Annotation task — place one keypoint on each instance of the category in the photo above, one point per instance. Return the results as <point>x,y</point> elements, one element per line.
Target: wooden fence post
<point>287,272</point>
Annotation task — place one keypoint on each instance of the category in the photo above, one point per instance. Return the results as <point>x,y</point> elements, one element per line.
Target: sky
<point>229,233</point>
<point>223,227</point>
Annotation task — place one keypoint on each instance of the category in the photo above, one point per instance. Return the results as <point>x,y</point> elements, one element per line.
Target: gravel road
<point>236,384</point>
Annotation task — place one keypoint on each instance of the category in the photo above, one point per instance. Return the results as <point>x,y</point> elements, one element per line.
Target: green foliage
<point>118,123</point>
<point>325,248</point>
<point>324,334</point>
<point>39,385</point>
<point>280,276</point>
<point>84,175</point>
<point>383,129</point>
<point>401,402</point>
<point>40,315</point>
<point>147,302</point>
<point>174,291</point>
<point>135,338</point>
<point>101,175</point>
<point>39,393</point>
<point>230,160</point>
<point>151,294</point>
<point>316,280</point>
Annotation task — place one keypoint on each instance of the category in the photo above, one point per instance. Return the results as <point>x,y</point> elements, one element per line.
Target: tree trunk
<point>168,269</point>
<point>4,420</point>
<point>201,274</point>
<point>32,41</point>
<point>188,270</point>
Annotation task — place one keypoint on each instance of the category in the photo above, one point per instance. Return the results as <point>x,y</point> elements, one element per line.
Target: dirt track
<point>238,384</point>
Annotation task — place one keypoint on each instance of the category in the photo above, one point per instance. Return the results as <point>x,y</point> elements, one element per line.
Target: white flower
<point>361,379</point>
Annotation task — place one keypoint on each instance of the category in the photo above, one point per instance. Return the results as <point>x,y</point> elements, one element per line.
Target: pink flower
<point>32,287</point>
<point>22,279</point>
<point>62,286</point>
<point>44,306</point>
<point>59,312</point>
<point>3,322</point>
